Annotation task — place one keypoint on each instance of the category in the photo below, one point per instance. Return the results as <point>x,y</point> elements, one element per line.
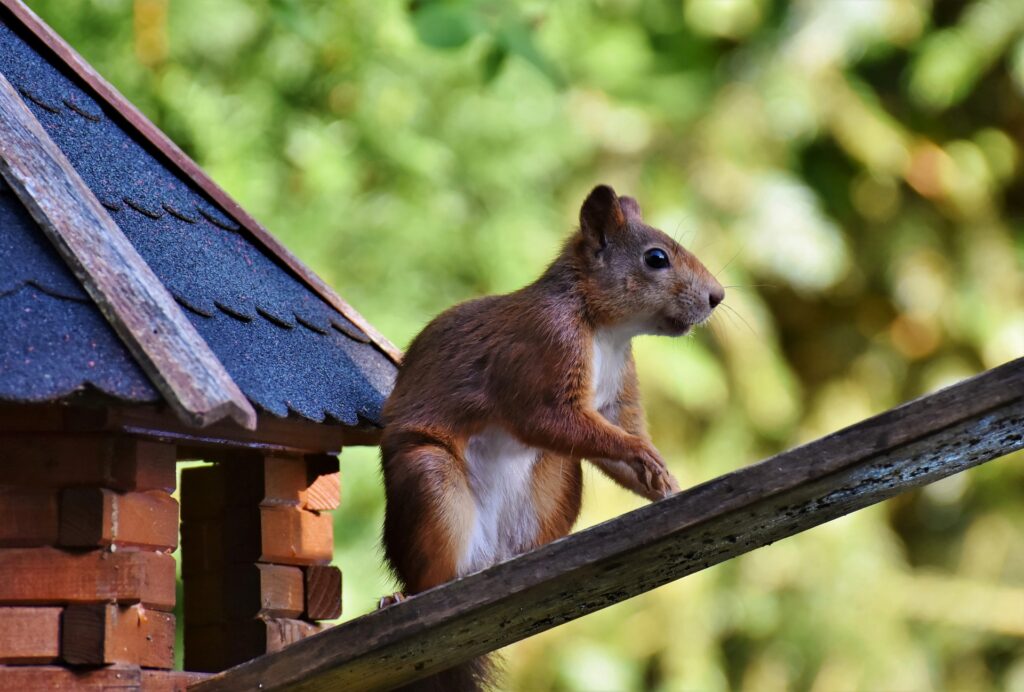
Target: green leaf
<point>493,62</point>
<point>517,39</point>
<point>444,26</point>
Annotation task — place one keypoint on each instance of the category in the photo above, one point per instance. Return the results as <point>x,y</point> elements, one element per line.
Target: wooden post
<point>255,538</point>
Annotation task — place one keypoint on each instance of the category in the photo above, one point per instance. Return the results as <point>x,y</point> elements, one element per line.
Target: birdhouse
<point>147,320</point>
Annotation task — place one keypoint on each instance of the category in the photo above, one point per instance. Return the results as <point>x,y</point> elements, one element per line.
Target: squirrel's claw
<point>391,600</point>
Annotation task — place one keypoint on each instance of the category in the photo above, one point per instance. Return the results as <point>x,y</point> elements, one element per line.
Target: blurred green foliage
<point>851,167</point>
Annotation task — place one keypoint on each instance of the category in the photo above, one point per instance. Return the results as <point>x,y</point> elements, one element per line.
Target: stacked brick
<point>87,581</point>
<point>257,543</point>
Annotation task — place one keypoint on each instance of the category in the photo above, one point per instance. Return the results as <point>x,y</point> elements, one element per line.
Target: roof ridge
<point>179,161</point>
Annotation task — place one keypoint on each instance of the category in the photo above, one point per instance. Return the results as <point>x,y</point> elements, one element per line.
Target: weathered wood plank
<point>104,91</point>
<point>917,443</point>
<point>122,285</point>
<point>29,635</point>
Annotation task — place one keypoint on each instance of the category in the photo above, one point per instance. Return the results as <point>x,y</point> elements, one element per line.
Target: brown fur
<point>522,362</point>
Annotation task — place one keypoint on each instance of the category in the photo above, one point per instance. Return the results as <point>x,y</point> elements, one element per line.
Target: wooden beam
<point>127,292</point>
<point>97,634</point>
<point>178,159</point>
<point>917,443</point>
<point>272,435</point>
<point>49,576</point>
<point>29,635</point>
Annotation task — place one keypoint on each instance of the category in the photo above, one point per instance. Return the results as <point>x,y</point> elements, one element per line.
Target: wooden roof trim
<point>181,161</point>
<point>157,423</point>
<point>131,297</point>
<point>917,443</point>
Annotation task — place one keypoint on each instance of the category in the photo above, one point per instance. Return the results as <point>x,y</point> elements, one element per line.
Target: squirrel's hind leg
<point>557,495</point>
<point>429,514</point>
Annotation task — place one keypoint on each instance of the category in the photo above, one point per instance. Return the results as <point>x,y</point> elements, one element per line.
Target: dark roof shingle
<point>286,348</point>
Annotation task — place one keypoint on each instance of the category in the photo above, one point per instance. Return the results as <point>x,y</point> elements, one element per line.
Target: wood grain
<point>96,517</point>
<point>29,635</point>
<point>44,576</point>
<point>920,442</point>
<point>105,92</point>
<point>323,592</point>
<point>28,516</point>
<point>124,288</point>
<point>104,633</point>
<point>324,483</point>
<point>60,679</point>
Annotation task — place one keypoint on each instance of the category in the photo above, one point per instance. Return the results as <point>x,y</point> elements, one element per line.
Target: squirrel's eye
<point>656,258</point>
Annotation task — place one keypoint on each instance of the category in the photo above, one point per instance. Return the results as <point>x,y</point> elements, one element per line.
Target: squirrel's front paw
<point>653,474</point>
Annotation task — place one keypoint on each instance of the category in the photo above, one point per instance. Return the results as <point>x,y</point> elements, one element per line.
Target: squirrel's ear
<point>600,215</point>
<point>630,207</point>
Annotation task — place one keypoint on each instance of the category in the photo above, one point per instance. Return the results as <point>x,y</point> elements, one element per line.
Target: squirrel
<point>499,398</point>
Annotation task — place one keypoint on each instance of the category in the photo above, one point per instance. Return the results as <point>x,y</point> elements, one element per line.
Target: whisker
<point>741,318</point>
<point>751,286</point>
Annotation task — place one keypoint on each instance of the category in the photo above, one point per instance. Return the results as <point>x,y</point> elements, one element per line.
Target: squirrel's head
<point>637,276</point>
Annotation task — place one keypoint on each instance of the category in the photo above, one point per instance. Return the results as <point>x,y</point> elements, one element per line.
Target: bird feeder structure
<point>147,320</point>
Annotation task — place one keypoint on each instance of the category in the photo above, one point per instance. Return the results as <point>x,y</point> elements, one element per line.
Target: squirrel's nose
<point>715,296</point>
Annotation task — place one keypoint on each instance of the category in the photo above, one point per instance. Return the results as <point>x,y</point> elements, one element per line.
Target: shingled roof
<point>282,341</point>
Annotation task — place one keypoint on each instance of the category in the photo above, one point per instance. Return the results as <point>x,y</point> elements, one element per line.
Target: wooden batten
<point>156,423</point>
<point>322,592</point>
<point>29,516</point>
<point>127,292</point>
<point>108,679</point>
<point>45,576</point>
<point>68,460</point>
<point>100,634</point>
<point>243,592</point>
<point>29,635</point>
<point>97,517</point>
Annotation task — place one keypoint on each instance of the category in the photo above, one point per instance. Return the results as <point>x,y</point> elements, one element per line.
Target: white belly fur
<point>610,350</point>
<point>500,475</point>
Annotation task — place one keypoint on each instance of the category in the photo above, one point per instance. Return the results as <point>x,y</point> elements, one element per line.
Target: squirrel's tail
<point>476,675</point>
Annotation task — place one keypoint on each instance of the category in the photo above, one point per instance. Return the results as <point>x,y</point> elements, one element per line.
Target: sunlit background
<point>850,167</point>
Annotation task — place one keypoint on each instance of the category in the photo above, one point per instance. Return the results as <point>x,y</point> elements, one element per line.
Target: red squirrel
<point>498,399</point>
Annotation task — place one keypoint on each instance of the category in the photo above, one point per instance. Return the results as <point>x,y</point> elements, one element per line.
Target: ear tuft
<point>631,208</point>
<point>600,214</point>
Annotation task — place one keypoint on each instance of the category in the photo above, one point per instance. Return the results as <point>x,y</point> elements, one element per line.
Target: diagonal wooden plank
<point>917,443</point>
<point>122,285</point>
<point>105,91</point>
